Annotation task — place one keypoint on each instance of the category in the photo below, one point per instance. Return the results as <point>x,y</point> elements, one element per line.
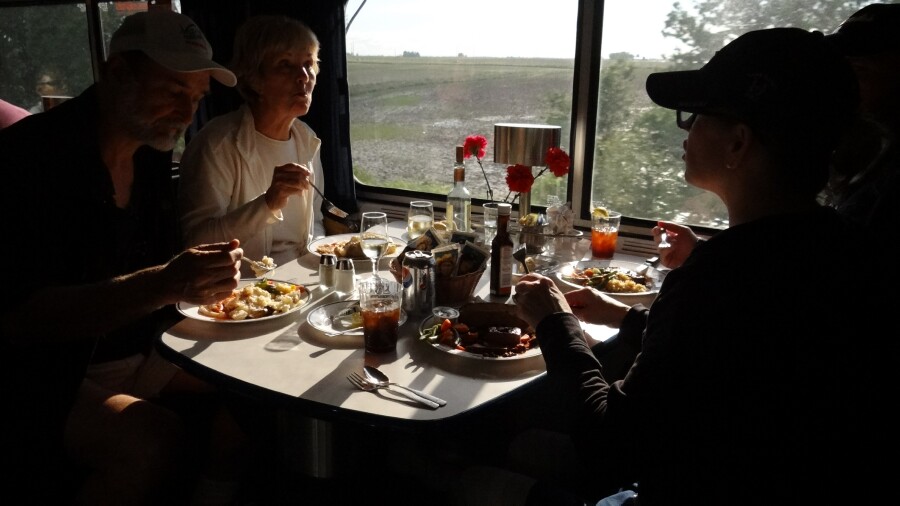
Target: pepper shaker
<point>326,270</point>
<point>344,276</point>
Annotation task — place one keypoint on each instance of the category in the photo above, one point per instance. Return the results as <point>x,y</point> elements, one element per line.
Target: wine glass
<point>373,236</point>
<point>420,218</point>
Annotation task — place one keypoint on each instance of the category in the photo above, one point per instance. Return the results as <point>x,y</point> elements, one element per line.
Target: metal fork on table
<point>363,384</point>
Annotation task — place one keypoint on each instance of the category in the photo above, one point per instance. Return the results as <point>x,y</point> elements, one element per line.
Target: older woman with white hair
<point>247,174</point>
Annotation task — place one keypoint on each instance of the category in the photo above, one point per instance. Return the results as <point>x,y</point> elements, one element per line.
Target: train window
<point>423,77</point>
<point>45,49</point>
<point>637,166</point>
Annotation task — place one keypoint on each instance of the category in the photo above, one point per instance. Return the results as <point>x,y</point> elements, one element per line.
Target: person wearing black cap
<point>865,182</point>
<point>761,378</point>
<point>94,268</point>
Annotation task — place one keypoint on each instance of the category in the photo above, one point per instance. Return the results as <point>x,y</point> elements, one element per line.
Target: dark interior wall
<point>329,114</point>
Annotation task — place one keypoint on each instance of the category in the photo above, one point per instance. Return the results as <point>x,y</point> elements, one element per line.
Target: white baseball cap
<point>171,39</point>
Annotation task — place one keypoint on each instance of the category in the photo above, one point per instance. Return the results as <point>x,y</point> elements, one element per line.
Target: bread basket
<point>456,290</point>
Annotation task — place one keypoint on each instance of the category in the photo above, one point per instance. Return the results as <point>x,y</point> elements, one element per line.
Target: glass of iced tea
<point>604,233</point>
<point>420,218</point>
<point>379,302</point>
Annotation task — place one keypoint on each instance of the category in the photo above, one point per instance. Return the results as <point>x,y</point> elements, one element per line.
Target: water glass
<point>604,234</point>
<point>420,218</point>
<point>379,302</point>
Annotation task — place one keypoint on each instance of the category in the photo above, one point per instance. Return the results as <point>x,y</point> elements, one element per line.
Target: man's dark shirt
<point>61,217</point>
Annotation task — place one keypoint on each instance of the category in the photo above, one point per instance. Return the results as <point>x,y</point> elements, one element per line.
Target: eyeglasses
<point>683,122</point>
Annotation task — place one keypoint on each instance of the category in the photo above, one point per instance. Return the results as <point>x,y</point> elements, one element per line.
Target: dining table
<point>290,364</point>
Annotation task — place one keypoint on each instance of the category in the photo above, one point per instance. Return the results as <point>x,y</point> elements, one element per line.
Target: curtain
<point>329,114</point>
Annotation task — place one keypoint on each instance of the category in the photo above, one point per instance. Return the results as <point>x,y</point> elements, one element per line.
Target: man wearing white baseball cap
<point>171,39</point>
<point>99,221</point>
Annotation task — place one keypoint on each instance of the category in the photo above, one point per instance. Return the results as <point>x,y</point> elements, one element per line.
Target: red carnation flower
<point>519,178</point>
<point>475,145</point>
<point>558,162</point>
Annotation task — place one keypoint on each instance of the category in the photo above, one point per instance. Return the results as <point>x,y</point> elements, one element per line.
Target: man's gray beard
<point>134,126</point>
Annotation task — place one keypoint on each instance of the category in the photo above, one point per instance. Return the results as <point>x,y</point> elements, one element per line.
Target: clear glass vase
<point>524,204</point>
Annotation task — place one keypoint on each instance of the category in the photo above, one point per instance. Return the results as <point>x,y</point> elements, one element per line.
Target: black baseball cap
<point>782,79</point>
<point>871,30</point>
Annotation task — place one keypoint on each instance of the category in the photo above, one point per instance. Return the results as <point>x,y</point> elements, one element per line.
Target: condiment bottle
<point>501,253</point>
<point>344,276</point>
<point>459,200</point>
<point>326,270</point>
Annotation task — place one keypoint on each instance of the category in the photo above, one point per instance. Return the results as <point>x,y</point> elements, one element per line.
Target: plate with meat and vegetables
<point>483,331</point>
<point>614,277</point>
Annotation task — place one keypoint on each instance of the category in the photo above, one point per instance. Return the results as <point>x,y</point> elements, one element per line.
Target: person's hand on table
<point>536,297</point>
<point>592,306</point>
<point>681,239</point>
<point>205,274</point>
<point>288,179</point>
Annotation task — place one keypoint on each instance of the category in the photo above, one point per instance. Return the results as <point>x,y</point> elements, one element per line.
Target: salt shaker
<point>326,270</point>
<point>344,275</point>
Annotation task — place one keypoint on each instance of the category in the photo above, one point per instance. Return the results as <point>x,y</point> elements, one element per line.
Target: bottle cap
<point>327,259</point>
<point>503,209</point>
<point>345,264</point>
<point>460,154</point>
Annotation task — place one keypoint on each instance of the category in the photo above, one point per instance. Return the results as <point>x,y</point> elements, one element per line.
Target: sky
<point>501,28</point>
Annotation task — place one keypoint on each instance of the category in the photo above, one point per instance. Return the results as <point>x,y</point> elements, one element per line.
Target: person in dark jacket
<point>93,270</point>
<point>764,371</point>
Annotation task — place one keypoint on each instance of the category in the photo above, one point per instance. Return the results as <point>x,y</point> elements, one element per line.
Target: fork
<point>663,239</point>
<point>333,209</point>
<point>363,384</point>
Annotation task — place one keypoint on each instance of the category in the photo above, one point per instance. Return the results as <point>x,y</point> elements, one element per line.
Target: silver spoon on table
<point>370,386</point>
<point>379,378</point>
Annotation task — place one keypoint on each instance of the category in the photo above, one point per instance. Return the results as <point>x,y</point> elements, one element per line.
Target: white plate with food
<point>341,317</point>
<point>252,301</point>
<point>483,331</point>
<point>348,246</point>
<point>620,278</point>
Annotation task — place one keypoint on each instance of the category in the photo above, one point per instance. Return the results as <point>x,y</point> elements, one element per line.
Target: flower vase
<point>524,204</point>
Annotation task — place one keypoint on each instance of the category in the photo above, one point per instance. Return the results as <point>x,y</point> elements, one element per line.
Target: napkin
<point>561,218</point>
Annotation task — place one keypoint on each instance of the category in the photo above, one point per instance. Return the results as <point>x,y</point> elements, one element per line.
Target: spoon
<point>379,378</point>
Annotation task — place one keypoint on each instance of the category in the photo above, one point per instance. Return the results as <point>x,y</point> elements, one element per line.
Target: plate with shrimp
<point>253,300</point>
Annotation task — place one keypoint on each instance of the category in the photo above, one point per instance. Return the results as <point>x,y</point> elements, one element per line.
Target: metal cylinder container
<point>418,280</point>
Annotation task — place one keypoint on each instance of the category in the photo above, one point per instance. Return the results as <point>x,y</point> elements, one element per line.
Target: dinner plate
<point>320,318</point>
<point>329,239</point>
<point>193,310</point>
<point>564,273</point>
<point>430,321</point>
